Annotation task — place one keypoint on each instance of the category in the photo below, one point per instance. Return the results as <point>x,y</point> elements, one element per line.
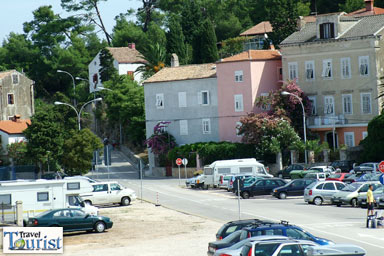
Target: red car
<point>339,176</point>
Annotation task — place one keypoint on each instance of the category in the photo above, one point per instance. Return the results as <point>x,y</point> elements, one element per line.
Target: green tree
<point>351,5</point>
<point>176,39</point>
<point>373,142</point>
<point>204,44</point>
<point>107,70</point>
<point>78,151</point>
<point>18,152</point>
<point>156,35</point>
<point>192,19</point>
<point>228,27</point>
<point>154,56</point>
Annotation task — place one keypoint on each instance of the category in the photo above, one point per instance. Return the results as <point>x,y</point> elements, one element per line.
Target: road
<point>339,224</point>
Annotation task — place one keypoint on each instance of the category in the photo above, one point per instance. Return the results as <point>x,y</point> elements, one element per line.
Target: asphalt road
<point>339,224</point>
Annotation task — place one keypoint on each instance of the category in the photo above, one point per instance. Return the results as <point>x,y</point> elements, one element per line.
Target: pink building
<point>240,80</point>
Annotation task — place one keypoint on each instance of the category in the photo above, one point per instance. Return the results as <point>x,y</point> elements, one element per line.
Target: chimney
<point>174,60</point>
<point>300,23</point>
<point>272,47</point>
<point>16,118</point>
<point>132,45</point>
<point>369,5</point>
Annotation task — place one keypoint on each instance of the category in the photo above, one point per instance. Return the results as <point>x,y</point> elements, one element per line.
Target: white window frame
<point>314,105</point>
<point>160,100</point>
<point>346,134</point>
<point>365,134</point>
<point>239,102</point>
<point>237,129</point>
<point>183,127</point>
<point>310,65</point>
<point>206,123</point>
<point>293,71</point>
<point>362,102</point>
<point>326,112</point>
<point>364,65</point>
<point>239,76</point>
<point>327,73</point>
<point>13,97</point>
<point>345,67</point>
<point>345,97</point>
<point>18,78</point>
<point>182,99</point>
<point>267,107</point>
<point>200,97</point>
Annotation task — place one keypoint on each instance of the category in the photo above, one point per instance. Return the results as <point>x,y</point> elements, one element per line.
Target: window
<point>349,139</point>
<point>74,201</point>
<point>5,200</point>
<point>329,107</point>
<point>345,68</point>
<point>327,30</point>
<point>182,99</point>
<point>206,126</point>
<point>203,98</point>
<point>339,186</point>
<point>42,196</point>
<point>15,78</point>
<point>223,170</point>
<point>292,70</point>
<point>312,99</point>
<point>364,65</point>
<point>78,213</point>
<point>238,125</point>
<point>310,70</point>
<point>245,169</point>
<point>183,127</point>
<point>63,213</point>
<point>11,99</point>
<point>347,103</point>
<point>239,76</point>
<point>297,234</point>
<point>159,101</point>
<point>366,103</point>
<point>73,185</point>
<point>100,187</point>
<point>329,186</point>
<point>290,250</point>
<point>327,69</point>
<point>365,134</point>
<point>265,106</point>
<point>239,103</point>
<point>115,186</point>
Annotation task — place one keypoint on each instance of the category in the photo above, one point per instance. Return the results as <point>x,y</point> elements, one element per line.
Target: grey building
<point>16,95</point>
<point>185,96</point>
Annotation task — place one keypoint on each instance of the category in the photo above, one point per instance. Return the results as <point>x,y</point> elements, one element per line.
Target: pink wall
<point>258,77</point>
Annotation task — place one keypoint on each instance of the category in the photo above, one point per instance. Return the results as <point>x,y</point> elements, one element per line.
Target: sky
<point>13,13</point>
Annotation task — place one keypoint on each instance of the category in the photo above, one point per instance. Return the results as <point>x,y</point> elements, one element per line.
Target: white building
<point>11,131</point>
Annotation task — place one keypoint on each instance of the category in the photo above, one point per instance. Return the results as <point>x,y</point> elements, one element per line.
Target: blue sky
<point>13,13</point>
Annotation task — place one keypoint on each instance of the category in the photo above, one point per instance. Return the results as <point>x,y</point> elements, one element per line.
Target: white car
<point>110,192</point>
<point>277,247</point>
<point>323,168</point>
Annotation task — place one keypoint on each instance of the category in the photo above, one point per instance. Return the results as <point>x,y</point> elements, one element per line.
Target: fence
<point>18,172</point>
<point>8,214</point>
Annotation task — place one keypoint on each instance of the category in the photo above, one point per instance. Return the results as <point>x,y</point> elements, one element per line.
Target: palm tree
<point>154,56</point>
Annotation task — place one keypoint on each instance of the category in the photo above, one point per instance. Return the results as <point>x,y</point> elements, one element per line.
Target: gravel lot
<point>144,229</point>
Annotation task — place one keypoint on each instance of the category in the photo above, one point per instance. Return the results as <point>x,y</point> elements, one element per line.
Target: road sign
<point>185,161</point>
<point>179,161</point>
<point>381,179</point>
<point>381,166</point>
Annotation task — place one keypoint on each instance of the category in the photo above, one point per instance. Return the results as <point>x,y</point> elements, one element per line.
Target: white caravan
<point>41,195</point>
<point>213,171</point>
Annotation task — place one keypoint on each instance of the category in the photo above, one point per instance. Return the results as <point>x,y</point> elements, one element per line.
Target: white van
<point>41,195</point>
<point>213,171</point>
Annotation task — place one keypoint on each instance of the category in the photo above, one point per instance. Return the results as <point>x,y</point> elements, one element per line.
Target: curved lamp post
<point>73,82</point>
<point>78,113</point>
<point>285,93</point>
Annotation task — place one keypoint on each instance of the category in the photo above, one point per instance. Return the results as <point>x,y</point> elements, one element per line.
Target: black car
<point>343,165</point>
<point>233,226</point>
<point>287,170</point>
<point>292,188</point>
<point>262,187</point>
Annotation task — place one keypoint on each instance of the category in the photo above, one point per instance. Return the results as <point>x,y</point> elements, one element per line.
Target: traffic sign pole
<point>185,162</point>
<point>179,175</point>
<point>179,161</point>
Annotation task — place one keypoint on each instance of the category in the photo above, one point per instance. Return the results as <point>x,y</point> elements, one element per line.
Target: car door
<point>328,191</point>
<point>100,193</point>
<point>115,191</point>
<point>296,188</point>
<point>269,186</point>
<point>258,188</point>
<point>80,220</point>
<point>63,219</point>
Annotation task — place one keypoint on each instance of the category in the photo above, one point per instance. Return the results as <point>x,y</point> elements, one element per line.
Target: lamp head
<point>58,103</point>
<point>98,99</point>
<point>285,93</point>
<point>59,71</point>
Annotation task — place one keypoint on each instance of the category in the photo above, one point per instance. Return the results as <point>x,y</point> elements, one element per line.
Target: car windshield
<point>351,187</point>
<point>335,176</point>
<point>233,236</point>
<point>42,214</point>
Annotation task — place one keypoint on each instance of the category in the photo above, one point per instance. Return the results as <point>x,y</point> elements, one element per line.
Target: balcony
<point>326,121</point>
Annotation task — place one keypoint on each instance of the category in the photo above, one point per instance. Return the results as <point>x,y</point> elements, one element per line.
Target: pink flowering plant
<point>161,142</point>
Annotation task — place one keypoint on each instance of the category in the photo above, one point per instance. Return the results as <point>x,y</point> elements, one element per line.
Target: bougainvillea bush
<point>161,141</point>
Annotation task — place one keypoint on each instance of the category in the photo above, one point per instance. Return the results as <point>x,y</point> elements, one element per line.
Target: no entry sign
<point>179,161</point>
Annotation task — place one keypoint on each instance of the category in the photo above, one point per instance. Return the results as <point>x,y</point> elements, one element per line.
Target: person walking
<point>370,200</point>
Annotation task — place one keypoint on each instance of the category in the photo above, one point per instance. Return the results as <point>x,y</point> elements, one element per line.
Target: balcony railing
<point>326,121</point>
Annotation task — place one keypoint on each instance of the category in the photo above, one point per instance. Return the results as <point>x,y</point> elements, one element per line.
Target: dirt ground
<point>145,229</point>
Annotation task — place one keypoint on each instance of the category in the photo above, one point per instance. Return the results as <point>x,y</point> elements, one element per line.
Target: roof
<point>14,127</point>
<point>185,72</point>
<point>255,55</point>
<point>363,27</point>
<point>259,29</point>
<point>126,55</point>
<point>364,12</point>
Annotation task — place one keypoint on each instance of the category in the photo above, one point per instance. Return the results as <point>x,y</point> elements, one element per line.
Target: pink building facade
<point>241,79</point>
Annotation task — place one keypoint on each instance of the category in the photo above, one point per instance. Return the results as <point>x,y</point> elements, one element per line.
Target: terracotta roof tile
<point>185,72</point>
<point>126,55</point>
<point>259,29</point>
<point>255,55</point>
<point>12,127</point>
<point>364,12</point>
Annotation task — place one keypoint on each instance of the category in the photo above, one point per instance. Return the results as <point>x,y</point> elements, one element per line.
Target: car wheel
<point>283,195</point>
<point>338,205</point>
<point>245,195</point>
<point>88,202</point>
<point>354,202</point>
<point>99,227</point>
<point>125,201</point>
<point>318,201</point>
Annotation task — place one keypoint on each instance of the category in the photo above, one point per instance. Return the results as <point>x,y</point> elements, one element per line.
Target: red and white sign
<point>381,166</point>
<point>179,161</point>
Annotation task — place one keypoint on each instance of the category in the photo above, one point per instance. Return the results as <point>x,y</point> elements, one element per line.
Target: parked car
<point>292,188</point>
<point>316,175</point>
<point>71,219</point>
<point>246,183</point>
<point>354,177</point>
<point>234,179</point>
<point>378,195</point>
<point>301,174</point>
<point>232,226</point>
<point>285,173</point>
<point>343,165</point>
<point>339,176</point>
<point>224,179</point>
<point>261,187</point>
<point>336,250</point>
<point>322,191</point>
<point>350,193</point>
<point>367,167</point>
<point>226,242</point>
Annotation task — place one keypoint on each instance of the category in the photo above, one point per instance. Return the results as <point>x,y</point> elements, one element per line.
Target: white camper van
<point>213,171</point>
<point>42,195</point>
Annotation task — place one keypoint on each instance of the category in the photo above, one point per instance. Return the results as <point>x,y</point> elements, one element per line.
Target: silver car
<point>351,192</point>
<point>378,194</point>
<point>322,191</point>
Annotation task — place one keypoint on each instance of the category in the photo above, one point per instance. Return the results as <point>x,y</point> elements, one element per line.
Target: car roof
<point>270,225</point>
<point>244,221</point>
<point>285,241</point>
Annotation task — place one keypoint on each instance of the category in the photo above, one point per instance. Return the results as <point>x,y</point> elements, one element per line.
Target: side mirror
<point>82,204</point>
<point>86,216</point>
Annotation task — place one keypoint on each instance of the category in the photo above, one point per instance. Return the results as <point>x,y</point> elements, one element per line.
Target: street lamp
<point>305,134</point>
<point>78,113</point>
<point>73,81</point>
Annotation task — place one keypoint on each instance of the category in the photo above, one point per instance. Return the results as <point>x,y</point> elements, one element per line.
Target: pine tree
<point>107,70</point>
<point>192,18</point>
<point>204,44</point>
<point>175,40</point>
